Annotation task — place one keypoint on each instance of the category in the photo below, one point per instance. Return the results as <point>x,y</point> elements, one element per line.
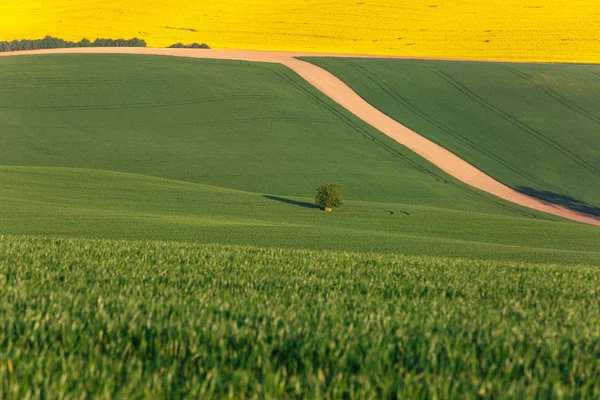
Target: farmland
<point>103,204</point>
<point>140,147</point>
<point>533,127</point>
<point>153,319</point>
<point>159,236</point>
<point>552,30</point>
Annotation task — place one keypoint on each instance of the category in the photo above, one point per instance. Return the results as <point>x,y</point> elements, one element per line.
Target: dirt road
<point>347,98</point>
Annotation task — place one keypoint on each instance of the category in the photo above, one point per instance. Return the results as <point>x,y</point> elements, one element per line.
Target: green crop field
<point>122,319</point>
<point>534,127</point>
<point>87,203</point>
<point>158,239</point>
<point>142,147</point>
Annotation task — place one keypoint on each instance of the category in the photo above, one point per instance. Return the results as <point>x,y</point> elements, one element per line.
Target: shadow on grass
<point>293,202</point>
<point>560,199</point>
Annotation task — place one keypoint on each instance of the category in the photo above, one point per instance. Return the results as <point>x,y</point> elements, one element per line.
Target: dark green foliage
<point>50,42</point>
<point>108,319</point>
<point>329,195</point>
<point>189,46</point>
<point>86,43</point>
<point>135,42</point>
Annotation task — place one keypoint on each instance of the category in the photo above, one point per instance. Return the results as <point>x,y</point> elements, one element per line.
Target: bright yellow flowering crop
<point>535,30</point>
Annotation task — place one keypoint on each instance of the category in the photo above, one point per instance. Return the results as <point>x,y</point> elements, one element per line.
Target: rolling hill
<point>158,233</point>
<point>169,148</point>
<point>52,201</point>
<point>533,127</point>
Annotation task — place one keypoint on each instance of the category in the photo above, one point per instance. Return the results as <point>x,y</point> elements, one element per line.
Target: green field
<point>123,319</point>
<point>534,127</point>
<point>131,187</point>
<point>144,147</point>
<point>87,203</point>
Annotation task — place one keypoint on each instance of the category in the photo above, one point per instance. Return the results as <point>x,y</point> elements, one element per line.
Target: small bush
<point>329,195</point>
<point>189,46</point>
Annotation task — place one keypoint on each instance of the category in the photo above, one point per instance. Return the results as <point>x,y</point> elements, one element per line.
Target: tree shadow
<point>560,199</point>
<point>293,202</point>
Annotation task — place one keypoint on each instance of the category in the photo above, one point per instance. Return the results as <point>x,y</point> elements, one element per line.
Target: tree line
<point>50,42</point>
<point>189,46</point>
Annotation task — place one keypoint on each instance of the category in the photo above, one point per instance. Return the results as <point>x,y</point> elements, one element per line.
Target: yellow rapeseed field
<point>534,30</point>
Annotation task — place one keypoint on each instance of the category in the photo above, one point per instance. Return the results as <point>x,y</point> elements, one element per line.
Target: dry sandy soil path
<point>347,98</point>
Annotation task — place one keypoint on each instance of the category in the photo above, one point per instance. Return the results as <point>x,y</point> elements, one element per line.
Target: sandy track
<point>347,98</point>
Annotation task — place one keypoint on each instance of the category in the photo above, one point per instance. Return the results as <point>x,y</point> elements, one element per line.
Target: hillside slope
<point>103,204</point>
<point>236,125</point>
<point>535,128</point>
<point>248,126</point>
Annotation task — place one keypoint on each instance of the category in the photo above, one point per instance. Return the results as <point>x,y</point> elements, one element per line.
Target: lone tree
<point>329,196</point>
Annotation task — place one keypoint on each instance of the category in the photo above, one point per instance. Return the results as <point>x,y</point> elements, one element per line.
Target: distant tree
<point>101,43</point>
<point>329,196</point>
<point>50,42</point>
<point>189,46</point>
<point>135,42</point>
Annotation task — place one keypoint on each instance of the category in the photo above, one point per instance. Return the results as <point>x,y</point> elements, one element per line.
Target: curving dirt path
<point>347,98</point>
